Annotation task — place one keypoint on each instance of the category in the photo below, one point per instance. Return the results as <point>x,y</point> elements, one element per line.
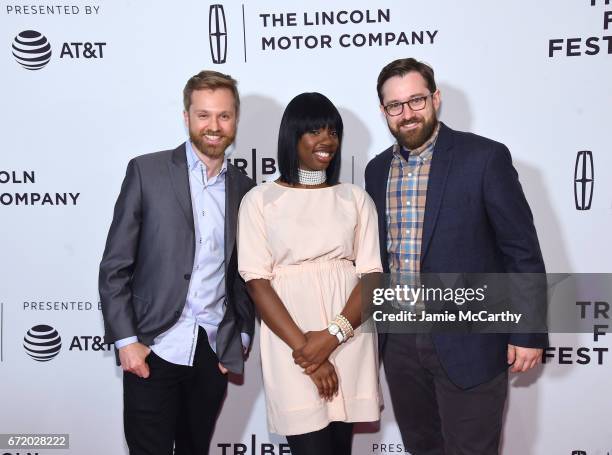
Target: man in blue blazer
<point>448,202</point>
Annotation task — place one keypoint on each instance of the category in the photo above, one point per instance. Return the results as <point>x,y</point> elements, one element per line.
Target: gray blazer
<point>149,255</point>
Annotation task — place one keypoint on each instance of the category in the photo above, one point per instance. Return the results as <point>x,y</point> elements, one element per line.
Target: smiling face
<point>317,148</point>
<point>411,128</point>
<point>212,121</point>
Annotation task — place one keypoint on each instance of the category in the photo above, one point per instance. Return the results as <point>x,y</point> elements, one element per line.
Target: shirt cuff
<point>246,341</point>
<point>125,341</point>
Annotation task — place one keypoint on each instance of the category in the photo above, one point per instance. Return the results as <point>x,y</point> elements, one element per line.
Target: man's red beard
<point>211,151</point>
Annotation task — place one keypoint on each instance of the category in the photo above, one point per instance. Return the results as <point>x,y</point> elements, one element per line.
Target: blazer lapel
<point>438,173</point>
<point>380,200</point>
<point>231,212</point>
<point>179,176</point>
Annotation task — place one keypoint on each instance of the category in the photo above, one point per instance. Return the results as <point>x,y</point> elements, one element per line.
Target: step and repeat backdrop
<point>88,85</point>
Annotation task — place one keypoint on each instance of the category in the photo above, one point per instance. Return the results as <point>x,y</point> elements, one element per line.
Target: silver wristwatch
<point>334,329</point>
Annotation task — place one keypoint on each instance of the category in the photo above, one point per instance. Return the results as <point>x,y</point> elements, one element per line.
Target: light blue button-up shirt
<point>205,305</point>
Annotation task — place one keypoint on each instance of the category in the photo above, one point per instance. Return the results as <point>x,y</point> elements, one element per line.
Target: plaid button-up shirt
<point>406,197</point>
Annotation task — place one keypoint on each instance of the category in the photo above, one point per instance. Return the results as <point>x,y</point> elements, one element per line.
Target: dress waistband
<point>312,265</point>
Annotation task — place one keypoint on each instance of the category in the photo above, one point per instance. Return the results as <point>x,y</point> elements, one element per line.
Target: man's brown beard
<point>412,140</point>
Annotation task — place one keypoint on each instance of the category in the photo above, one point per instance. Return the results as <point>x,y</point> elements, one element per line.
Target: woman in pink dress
<point>303,243</point>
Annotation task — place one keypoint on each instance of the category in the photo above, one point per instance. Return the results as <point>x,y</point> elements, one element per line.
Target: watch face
<point>333,329</point>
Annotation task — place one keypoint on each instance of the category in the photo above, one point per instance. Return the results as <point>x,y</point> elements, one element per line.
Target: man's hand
<point>222,369</point>
<point>133,357</point>
<point>319,345</point>
<point>523,359</point>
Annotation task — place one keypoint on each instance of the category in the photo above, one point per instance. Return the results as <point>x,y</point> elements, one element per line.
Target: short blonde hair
<point>210,80</point>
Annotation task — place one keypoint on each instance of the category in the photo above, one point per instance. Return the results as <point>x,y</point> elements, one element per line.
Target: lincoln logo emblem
<point>217,33</point>
<point>583,180</point>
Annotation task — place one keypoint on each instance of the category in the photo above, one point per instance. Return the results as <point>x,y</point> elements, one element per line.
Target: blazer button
<point>187,276</point>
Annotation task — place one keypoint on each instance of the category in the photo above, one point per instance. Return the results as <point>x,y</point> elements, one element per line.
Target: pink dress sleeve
<point>254,257</point>
<point>367,251</point>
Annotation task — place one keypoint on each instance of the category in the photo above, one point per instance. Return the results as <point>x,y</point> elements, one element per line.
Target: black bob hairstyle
<point>306,112</point>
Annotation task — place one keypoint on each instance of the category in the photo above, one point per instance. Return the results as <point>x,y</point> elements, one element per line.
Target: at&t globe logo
<point>42,343</point>
<point>32,50</point>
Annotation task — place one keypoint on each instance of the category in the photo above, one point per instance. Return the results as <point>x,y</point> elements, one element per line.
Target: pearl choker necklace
<point>311,177</point>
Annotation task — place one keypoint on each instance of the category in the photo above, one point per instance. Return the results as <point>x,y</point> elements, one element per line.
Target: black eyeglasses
<point>417,103</point>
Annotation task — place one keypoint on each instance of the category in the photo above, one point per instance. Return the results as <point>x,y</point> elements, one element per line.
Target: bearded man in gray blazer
<point>172,300</point>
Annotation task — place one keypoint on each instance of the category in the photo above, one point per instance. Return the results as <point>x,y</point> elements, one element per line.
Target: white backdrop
<point>72,126</point>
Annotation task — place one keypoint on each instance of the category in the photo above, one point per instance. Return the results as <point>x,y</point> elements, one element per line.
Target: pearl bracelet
<point>345,326</point>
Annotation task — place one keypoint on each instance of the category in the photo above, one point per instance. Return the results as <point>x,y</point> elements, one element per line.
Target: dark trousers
<point>334,439</point>
<point>176,406</point>
<point>435,417</point>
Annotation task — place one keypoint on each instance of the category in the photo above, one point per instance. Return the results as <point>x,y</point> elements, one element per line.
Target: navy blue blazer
<point>477,220</point>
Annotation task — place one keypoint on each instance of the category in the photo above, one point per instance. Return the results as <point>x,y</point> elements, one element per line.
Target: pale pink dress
<point>312,244</point>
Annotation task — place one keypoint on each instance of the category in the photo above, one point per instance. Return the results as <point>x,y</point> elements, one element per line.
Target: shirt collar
<point>424,151</point>
<point>193,160</point>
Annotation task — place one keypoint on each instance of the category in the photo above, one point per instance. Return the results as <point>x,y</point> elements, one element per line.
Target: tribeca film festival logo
<point>266,167</point>
<point>579,46</point>
<point>582,452</point>
<point>217,34</point>
<point>599,311</point>
<point>43,343</point>
<point>261,448</point>
<point>32,50</point>
<point>584,180</point>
